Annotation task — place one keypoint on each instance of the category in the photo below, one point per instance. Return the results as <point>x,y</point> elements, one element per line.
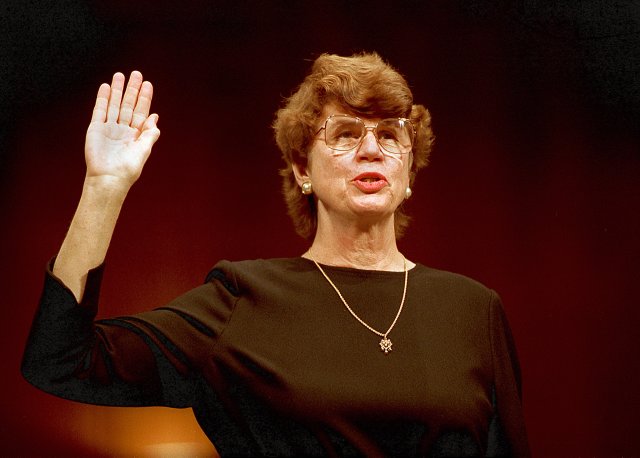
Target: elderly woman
<point>348,349</point>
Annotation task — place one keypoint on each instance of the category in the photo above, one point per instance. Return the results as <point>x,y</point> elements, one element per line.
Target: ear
<point>301,172</point>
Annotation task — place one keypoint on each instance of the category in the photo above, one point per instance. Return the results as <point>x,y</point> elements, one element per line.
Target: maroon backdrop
<point>533,186</point>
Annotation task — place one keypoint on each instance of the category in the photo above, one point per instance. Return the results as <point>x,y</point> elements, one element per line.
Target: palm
<point>112,149</point>
<point>121,133</point>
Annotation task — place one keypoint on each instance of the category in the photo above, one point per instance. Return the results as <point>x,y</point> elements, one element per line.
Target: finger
<point>143,104</point>
<point>102,99</point>
<point>113,109</point>
<point>130,97</point>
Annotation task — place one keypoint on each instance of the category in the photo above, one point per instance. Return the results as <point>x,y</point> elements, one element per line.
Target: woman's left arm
<point>507,383</point>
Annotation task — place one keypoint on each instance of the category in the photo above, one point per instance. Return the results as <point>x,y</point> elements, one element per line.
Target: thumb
<point>150,131</point>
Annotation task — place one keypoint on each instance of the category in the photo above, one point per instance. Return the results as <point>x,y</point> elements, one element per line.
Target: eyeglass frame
<point>372,128</point>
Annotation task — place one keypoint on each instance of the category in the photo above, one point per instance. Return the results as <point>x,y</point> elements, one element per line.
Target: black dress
<point>273,363</point>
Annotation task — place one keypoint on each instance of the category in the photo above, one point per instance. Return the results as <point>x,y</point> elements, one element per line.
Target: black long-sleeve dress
<point>273,363</point>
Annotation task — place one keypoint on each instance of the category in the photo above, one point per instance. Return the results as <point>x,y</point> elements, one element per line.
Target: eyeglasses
<point>344,132</point>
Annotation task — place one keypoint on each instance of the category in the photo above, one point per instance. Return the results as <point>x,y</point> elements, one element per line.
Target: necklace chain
<point>385,343</point>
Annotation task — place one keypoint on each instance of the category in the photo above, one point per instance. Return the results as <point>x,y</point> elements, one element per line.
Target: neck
<point>371,247</point>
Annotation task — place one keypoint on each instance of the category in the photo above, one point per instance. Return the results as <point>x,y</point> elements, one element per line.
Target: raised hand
<point>119,141</point>
<point>121,133</point>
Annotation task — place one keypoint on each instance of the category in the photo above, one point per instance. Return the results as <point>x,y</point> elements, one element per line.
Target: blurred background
<point>532,188</point>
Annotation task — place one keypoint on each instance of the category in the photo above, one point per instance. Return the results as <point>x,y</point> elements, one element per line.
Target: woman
<point>349,349</point>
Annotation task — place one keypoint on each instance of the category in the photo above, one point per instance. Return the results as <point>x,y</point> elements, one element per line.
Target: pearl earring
<point>306,188</point>
<point>407,192</point>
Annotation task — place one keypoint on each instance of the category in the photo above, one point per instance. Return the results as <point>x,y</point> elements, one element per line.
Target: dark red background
<point>533,187</point>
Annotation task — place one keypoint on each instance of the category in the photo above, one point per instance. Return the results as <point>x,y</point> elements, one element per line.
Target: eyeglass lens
<point>394,135</point>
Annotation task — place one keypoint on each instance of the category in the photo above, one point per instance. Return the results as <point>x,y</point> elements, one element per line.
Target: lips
<point>370,182</point>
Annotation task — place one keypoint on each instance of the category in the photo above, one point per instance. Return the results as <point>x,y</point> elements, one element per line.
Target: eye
<point>345,131</point>
<point>387,134</point>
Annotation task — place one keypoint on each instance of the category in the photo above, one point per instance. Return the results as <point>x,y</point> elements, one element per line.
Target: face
<point>361,184</point>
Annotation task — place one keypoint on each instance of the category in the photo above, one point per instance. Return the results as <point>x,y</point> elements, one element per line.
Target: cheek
<point>324,173</point>
<point>407,169</point>
<point>328,169</point>
<point>402,170</point>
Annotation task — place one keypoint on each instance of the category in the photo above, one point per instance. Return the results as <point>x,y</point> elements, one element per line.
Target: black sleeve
<point>153,358</point>
<point>507,432</point>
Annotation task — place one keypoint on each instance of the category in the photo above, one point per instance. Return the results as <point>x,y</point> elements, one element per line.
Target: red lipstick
<point>370,182</point>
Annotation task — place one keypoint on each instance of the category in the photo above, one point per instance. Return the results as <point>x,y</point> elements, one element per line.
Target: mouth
<point>370,177</point>
<point>370,182</point>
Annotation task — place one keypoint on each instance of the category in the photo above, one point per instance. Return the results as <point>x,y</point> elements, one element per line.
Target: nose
<point>369,149</point>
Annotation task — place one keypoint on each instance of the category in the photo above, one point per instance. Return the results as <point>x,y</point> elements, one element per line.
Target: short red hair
<point>367,86</point>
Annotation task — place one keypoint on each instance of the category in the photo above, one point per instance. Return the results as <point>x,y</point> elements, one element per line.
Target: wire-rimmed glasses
<point>345,132</point>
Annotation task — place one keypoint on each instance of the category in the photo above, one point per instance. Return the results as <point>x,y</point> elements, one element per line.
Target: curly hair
<point>367,86</point>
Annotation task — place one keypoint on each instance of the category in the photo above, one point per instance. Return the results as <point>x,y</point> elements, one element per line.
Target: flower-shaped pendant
<point>385,345</point>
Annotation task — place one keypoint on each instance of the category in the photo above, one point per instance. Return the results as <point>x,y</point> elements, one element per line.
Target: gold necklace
<point>385,342</point>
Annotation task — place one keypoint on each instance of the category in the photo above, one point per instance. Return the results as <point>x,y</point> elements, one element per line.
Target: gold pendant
<point>385,345</point>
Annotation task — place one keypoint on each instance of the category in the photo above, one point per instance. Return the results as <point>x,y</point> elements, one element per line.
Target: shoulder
<point>240,274</point>
<point>261,266</point>
<point>453,286</point>
<point>447,278</point>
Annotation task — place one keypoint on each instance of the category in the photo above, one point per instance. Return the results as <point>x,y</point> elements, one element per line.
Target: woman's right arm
<point>119,141</point>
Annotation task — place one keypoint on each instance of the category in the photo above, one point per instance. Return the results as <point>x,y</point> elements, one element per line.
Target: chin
<point>373,206</point>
